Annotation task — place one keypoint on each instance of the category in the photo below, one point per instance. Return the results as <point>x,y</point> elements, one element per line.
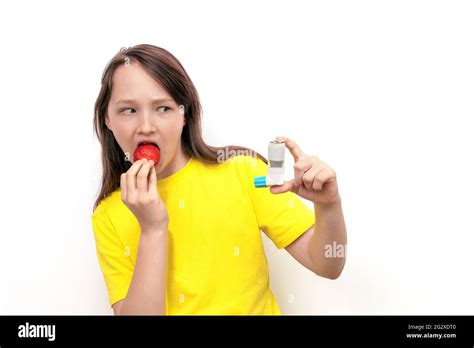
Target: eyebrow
<point>155,100</point>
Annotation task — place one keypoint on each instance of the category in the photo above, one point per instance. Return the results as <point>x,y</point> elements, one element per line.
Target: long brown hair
<point>169,72</point>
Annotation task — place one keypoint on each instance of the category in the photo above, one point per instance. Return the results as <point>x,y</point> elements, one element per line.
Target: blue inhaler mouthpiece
<point>260,181</point>
<point>276,159</point>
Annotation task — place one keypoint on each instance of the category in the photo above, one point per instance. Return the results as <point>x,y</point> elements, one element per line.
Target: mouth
<point>148,149</point>
<point>148,143</point>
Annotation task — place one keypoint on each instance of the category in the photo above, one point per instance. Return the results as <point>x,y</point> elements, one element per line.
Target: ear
<point>107,122</point>
<point>181,111</point>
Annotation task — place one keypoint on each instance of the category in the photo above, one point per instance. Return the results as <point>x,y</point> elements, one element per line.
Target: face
<point>140,109</point>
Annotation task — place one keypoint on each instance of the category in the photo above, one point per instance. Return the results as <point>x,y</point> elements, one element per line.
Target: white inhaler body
<point>276,161</point>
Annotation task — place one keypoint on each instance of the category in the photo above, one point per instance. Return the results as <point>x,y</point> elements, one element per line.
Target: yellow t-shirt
<point>215,262</point>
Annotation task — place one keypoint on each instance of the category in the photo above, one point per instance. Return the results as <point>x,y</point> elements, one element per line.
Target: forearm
<point>329,241</point>
<point>146,294</point>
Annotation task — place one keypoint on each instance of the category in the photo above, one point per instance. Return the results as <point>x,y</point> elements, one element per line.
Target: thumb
<point>287,186</point>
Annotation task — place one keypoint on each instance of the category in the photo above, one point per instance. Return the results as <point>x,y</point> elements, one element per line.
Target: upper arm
<point>117,307</point>
<point>282,217</point>
<point>299,249</point>
<point>114,258</point>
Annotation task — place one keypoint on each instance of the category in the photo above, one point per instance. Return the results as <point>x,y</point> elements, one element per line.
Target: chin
<point>160,166</point>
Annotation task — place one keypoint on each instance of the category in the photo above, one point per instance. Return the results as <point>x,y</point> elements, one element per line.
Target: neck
<point>177,162</point>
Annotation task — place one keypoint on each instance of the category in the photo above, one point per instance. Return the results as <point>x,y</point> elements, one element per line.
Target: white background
<point>380,90</point>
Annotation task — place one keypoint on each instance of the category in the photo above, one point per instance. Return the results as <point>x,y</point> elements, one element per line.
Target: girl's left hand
<point>314,179</point>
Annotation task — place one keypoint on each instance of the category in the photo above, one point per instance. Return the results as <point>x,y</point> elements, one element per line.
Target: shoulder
<point>245,164</point>
<point>107,205</point>
<point>236,163</point>
<point>245,168</point>
<point>238,168</point>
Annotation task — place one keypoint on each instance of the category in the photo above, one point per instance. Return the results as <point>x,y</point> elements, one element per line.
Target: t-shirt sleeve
<point>114,259</point>
<point>282,217</point>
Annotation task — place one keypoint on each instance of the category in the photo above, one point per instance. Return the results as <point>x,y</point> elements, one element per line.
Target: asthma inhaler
<point>276,161</point>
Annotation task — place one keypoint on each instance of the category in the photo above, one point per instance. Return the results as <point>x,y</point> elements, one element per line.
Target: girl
<point>183,236</point>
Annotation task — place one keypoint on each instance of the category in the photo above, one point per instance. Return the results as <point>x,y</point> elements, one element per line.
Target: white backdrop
<point>380,90</point>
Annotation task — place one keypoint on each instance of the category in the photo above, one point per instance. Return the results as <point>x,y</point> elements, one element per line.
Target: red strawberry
<point>148,151</point>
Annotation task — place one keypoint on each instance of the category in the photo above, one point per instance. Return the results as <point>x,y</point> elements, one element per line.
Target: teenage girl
<point>183,236</point>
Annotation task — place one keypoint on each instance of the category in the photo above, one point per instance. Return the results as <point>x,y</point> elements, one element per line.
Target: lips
<point>148,143</point>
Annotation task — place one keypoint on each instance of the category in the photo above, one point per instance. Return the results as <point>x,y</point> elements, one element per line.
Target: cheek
<point>171,140</point>
<point>123,137</point>
<point>172,134</point>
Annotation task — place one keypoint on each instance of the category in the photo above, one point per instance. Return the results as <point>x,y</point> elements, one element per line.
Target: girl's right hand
<point>140,195</point>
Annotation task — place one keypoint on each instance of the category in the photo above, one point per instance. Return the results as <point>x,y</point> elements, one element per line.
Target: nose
<point>147,124</point>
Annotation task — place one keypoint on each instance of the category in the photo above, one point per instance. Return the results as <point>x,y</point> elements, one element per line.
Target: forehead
<point>134,82</point>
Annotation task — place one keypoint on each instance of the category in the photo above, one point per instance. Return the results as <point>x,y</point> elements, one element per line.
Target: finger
<point>123,186</point>
<point>295,150</point>
<point>322,177</point>
<point>287,186</point>
<point>142,179</point>
<point>301,167</point>
<point>131,178</point>
<point>152,183</point>
<point>309,177</point>
<point>304,164</point>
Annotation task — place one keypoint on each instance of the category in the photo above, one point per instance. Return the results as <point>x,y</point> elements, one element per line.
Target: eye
<point>163,108</point>
<point>125,109</point>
